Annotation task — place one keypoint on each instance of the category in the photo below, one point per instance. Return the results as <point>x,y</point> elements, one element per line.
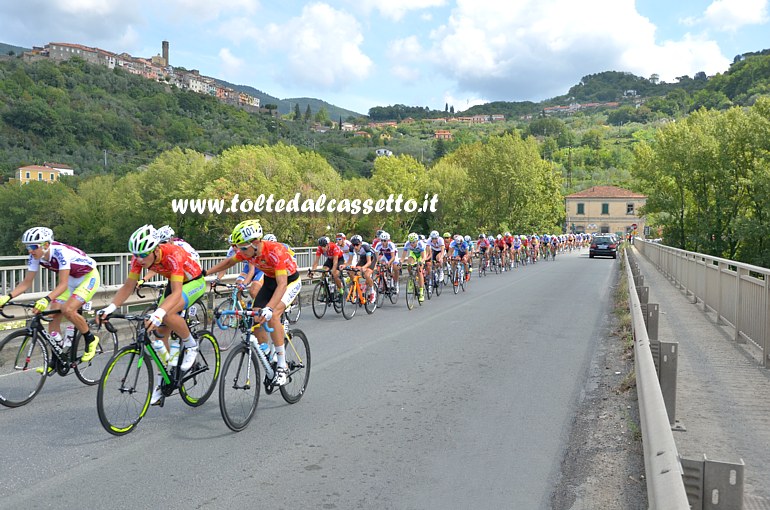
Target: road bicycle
<point>357,295</point>
<point>29,356</point>
<point>325,294</point>
<point>458,275</point>
<point>383,280</point>
<point>196,315</point>
<point>239,386</point>
<point>412,285</point>
<point>433,282</point>
<point>227,326</point>
<point>128,380</point>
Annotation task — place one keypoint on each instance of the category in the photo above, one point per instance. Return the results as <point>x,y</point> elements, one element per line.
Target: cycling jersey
<point>62,258</point>
<point>386,250</point>
<point>331,250</point>
<point>171,261</point>
<point>500,244</point>
<point>275,259</point>
<point>483,244</point>
<point>460,249</point>
<point>508,240</point>
<point>189,249</point>
<point>415,250</point>
<point>436,244</point>
<point>359,253</point>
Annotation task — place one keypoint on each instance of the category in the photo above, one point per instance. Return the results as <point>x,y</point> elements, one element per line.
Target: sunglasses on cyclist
<point>244,248</point>
<point>32,247</point>
<point>142,255</point>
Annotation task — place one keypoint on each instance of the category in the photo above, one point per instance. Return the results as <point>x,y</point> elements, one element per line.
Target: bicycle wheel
<point>381,290</point>
<point>427,285</point>
<point>90,372</point>
<point>393,296</point>
<point>23,365</point>
<point>294,310</point>
<point>320,300</point>
<point>298,360</point>
<point>410,292</point>
<point>349,302</point>
<point>227,325</point>
<point>199,382</point>
<point>338,297</point>
<point>455,280</point>
<point>197,316</point>
<point>239,387</point>
<point>437,284</point>
<point>370,305</point>
<point>124,391</point>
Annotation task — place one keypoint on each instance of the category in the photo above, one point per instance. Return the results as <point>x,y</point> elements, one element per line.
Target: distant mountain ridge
<point>17,50</point>
<point>287,105</point>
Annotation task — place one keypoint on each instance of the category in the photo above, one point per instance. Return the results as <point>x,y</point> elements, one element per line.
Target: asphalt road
<point>465,402</point>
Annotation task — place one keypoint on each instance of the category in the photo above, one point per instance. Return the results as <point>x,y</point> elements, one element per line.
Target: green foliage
<point>708,178</point>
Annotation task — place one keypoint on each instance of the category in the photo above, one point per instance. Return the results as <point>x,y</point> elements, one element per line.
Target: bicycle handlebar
<point>44,313</point>
<point>246,313</point>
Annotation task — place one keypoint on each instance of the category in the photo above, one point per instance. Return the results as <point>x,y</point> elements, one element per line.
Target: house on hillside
<point>605,209</point>
<point>48,172</point>
<point>442,134</point>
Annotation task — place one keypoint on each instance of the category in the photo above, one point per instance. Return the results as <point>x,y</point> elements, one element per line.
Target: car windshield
<point>603,240</point>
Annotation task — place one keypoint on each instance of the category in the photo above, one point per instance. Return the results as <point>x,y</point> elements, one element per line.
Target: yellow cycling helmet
<point>246,231</point>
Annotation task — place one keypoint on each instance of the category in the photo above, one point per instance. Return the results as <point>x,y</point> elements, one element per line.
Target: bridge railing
<point>665,486</point>
<point>738,293</point>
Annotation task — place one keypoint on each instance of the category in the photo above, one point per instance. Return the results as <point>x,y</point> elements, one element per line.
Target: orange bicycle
<point>357,295</point>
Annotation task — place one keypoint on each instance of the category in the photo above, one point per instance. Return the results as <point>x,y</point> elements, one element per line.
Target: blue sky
<point>363,53</point>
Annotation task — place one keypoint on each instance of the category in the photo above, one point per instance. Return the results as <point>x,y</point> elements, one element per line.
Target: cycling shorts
<point>82,288</point>
<point>268,289</point>
<point>192,291</point>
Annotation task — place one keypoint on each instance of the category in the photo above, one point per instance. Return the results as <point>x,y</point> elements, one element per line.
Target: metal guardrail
<point>665,486</point>
<point>739,294</point>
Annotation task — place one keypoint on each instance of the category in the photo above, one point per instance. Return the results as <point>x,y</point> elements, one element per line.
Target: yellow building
<point>605,209</point>
<point>49,172</point>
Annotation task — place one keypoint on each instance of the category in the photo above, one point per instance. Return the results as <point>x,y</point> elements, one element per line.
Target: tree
<point>297,114</point>
<point>308,113</point>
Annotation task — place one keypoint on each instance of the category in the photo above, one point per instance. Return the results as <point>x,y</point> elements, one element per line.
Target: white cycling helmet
<point>413,237</point>
<point>165,233</point>
<point>143,240</point>
<point>37,235</point>
<point>384,236</point>
<point>499,236</point>
<point>269,237</point>
<point>467,239</point>
<point>434,234</point>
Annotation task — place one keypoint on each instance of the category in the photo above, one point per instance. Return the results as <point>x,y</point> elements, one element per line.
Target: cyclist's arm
<point>315,263</point>
<point>25,284</point>
<point>223,266</point>
<point>150,275</point>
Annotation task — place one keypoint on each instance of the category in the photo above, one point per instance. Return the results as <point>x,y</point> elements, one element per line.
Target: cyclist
<point>482,246</point>
<point>334,258</point>
<point>361,255</point>
<point>459,253</point>
<point>387,253</point>
<point>414,249</point>
<point>78,281</point>
<point>185,287</point>
<point>250,277</point>
<point>281,286</point>
<point>501,247</point>
<point>437,251</point>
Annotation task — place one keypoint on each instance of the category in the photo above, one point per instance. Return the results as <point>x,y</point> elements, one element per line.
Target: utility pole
<point>105,158</point>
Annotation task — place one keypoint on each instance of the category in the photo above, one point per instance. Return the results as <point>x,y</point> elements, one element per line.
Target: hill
<point>287,105</point>
<point>6,49</point>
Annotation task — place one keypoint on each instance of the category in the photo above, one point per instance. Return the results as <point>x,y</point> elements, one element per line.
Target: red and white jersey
<point>64,257</point>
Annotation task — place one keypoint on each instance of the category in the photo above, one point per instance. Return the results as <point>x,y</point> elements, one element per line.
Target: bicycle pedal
<point>160,402</point>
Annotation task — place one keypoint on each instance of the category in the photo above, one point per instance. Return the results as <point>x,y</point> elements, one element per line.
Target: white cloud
<point>231,65</point>
<point>730,15</point>
<point>406,74</point>
<point>535,49</point>
<point>407,49</point>
<point>320,48</point>
<point>238,30</point>
<point>461,104</point>
<point>207,10</point>
<point>396,9</point>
